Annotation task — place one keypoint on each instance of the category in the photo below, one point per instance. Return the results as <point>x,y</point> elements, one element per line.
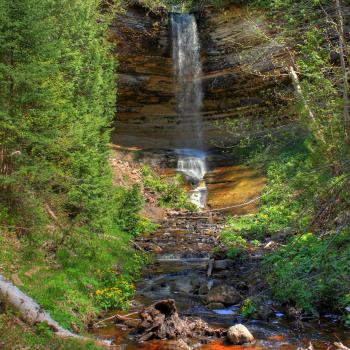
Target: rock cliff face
<point>242,77</point>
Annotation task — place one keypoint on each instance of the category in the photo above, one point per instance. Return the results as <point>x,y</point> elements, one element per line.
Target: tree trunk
<point>32,313</point>
<point>343,52</point>
<point>301,97</point>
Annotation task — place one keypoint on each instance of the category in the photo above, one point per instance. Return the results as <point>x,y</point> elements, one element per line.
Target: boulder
<point>225,294</point>
<point>239,334</point>
<point>183,285</point>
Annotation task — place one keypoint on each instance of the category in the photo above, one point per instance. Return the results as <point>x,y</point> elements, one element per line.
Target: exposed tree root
<point>162,321</point>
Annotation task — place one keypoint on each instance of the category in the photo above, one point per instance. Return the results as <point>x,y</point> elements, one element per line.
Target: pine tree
<point>57,97</point>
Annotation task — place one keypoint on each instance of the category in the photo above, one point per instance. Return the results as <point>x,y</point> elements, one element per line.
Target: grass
<point>14,334</point>
<point>66,285</point>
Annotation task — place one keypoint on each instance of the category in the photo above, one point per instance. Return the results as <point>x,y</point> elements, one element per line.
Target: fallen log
<point>32,313</point>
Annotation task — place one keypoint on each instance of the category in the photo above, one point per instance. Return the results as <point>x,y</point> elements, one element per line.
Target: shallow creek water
<point>182,247</point>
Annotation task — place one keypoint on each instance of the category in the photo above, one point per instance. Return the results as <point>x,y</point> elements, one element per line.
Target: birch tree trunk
<point>32,313</point>
<point>301,97</point>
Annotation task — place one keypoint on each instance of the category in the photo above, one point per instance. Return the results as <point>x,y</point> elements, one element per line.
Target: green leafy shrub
<point>119,296</point>
<point>235,242</point>
<point>248,308</point>
<point>43,329</point>
<point>170,191</point>
<point>311,272</point>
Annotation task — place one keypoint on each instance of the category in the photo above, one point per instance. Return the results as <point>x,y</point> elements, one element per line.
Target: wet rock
<point>157,249</point>
<point>224,274</point>
<point>225,294</point>
<point>215,306</point>
<point>293,312</point>
<point>197,282</point>
<point>203,289</point>
<point>264,308</point>
<point>187,285</point>
<point>146,104</point>
<point>210,267</point>
<point>239,334</point>
<point>264,312</point>
<point>220,254</point>
<point>243,286</point>
<point>223,264</point>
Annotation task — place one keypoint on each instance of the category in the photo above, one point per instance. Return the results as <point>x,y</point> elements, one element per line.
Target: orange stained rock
<point>234,185</point>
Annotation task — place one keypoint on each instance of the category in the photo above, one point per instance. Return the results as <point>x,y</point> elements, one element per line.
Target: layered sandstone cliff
<point>243,77</point>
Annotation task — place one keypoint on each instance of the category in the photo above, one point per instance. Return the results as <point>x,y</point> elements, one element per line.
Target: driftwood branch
<point>136,245</point>
<point>115,317</point>
<point>32,313</point>
<point>341,346</point>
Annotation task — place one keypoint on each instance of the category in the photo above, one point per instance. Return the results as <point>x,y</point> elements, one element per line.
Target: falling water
<point>189,94</point>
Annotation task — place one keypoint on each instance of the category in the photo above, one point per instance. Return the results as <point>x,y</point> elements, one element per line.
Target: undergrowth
<point>68,284</point>
<point>170,191</point>
<point>310,270</point>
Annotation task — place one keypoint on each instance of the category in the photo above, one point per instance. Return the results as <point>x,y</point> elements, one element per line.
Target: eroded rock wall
<point>244,74</point>
<point>242,77</point>
<point>145,79</point>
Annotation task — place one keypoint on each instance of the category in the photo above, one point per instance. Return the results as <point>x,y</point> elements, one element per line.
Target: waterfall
<point>193,167</point>
<point>189,96</point>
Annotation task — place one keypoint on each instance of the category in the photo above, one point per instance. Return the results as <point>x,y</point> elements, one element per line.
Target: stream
<point>183,246</point>
<point>187,266</point>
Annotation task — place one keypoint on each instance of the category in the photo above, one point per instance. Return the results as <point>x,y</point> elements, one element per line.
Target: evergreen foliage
<point>57,101</point>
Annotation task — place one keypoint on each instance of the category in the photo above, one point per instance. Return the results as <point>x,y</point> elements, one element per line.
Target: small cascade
<point>199,194</point>
<point>189,94</point>
<point>193,166</point>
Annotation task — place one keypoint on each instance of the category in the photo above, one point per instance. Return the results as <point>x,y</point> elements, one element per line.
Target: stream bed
<point>183,247</point>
